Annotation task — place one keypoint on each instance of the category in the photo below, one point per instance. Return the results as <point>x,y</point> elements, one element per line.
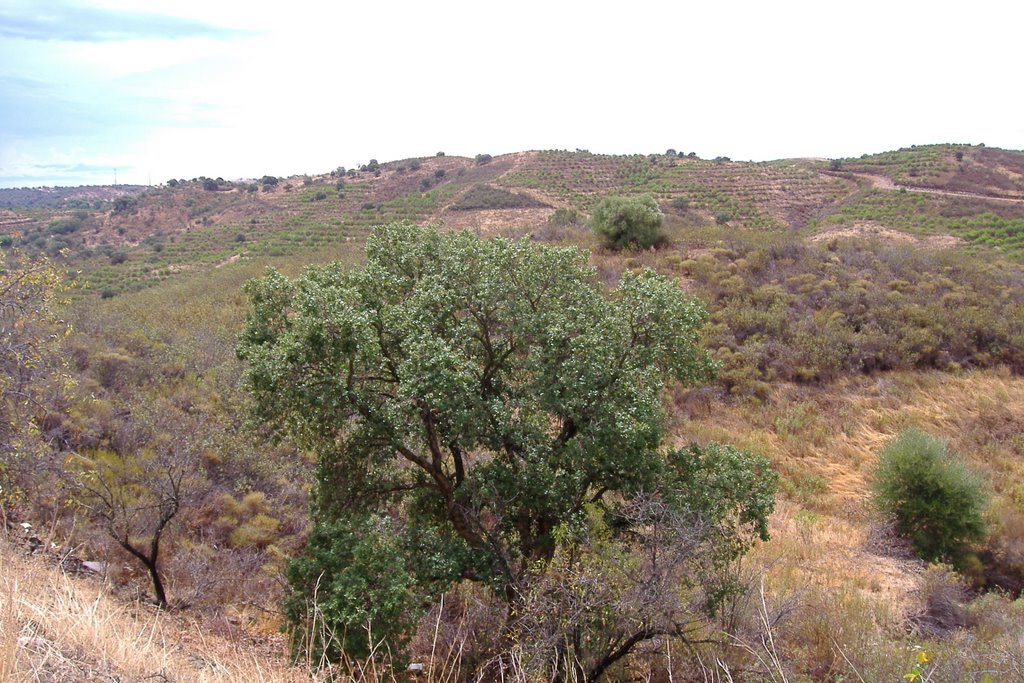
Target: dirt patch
<point>228,260</point>
<point>872,230</point>
<point>497,220</point>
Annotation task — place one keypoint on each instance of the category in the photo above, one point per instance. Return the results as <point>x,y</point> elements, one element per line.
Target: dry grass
<point>59,628</point>
<point>824,442</point>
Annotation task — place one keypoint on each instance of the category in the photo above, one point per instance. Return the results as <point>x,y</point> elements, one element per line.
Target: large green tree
<point>471,401</point>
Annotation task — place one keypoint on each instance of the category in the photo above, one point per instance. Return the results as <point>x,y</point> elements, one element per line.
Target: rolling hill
<point>848,299</point>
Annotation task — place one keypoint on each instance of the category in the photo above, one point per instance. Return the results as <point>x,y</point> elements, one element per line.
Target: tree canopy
<point>468,399</point>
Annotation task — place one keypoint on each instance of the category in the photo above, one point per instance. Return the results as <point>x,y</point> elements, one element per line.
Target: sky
<point>153,90</point>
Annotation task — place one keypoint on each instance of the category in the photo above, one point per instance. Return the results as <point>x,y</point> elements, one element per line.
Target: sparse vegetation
<point>488,197</point>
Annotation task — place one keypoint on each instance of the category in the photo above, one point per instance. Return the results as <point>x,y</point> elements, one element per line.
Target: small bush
<point>628,221</point>
<point>564,217</point>
<point>439,173</point>
<point>937,502</point>
<point>681,204</point>
<point>723,217</point>
<point>482,159</point>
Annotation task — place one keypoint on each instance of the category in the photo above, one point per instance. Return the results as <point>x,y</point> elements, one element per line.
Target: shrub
<point>681,204</point>
<point>628,221</point>
<point>269,181</point>
<point>723,217</point>
<point>937,502</point>
<point>482,159</point>
<point>564,217</point>
<point>439,173</point>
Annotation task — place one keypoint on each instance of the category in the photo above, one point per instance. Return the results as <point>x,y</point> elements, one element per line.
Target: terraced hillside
<point>127,242</point>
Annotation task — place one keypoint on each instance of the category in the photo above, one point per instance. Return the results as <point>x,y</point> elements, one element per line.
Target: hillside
<point>848,300</point>
<point>139,240</point>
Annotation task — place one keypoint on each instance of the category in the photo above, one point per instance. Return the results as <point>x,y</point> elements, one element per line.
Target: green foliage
<point>351,590</point>
<point>937,502</point>
<point>564,217</point>
<point>482,159</point>
<point>623,222</point>
<point>125,205</point>
<point>479,391</point>
<point>33,374</point>
<point>681,204</point>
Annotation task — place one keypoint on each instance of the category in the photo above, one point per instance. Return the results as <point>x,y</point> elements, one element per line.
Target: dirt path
<point>881,182</point>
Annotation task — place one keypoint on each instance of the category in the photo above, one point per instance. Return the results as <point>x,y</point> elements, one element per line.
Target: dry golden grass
<point>59,628</point>
<point>824,442</point>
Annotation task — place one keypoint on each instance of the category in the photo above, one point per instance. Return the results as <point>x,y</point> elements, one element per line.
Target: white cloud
<point>306,86</point>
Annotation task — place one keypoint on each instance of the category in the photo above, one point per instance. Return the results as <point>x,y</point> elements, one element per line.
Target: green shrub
<point>681,204</point>
<point>936,500</point>
<point>628,221</point>
<point>564,217</point>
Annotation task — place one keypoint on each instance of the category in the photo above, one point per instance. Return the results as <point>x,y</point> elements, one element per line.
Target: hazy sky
<point>231,89</point>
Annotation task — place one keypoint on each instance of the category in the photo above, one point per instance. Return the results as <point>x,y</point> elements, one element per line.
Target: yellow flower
<point>922,657</point>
